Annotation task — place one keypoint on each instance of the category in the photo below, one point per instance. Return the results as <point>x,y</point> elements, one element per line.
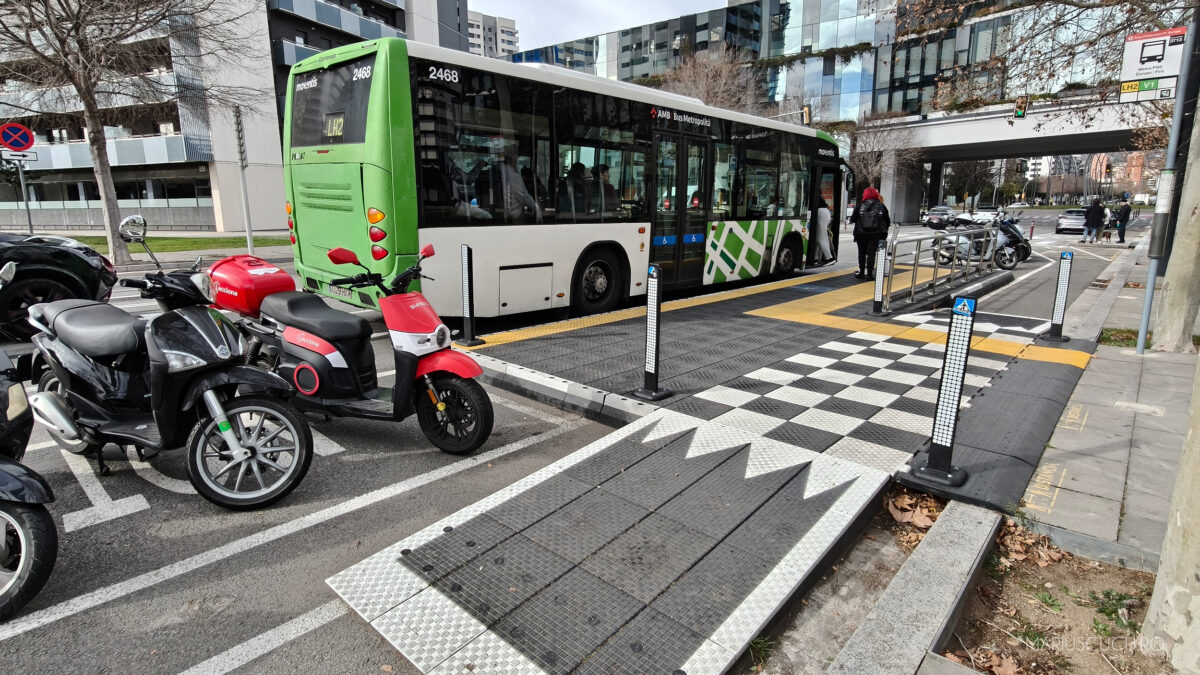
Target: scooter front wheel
<point>280,445</point>
<point>463,422</point>
<point>28,549</point>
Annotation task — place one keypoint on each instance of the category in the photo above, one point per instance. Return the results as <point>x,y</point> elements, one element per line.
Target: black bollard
<point>880,271</point>
<point>938,468</point>
<point>650,390</point>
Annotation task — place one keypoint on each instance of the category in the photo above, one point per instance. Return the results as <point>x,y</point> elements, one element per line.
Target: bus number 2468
<point>444,74</point>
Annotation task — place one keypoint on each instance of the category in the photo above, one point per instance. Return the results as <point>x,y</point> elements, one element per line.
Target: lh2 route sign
<point>16,137</point>
<point>1150,66</point>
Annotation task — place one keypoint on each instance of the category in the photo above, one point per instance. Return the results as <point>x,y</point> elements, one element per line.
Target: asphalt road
<point>151,578</point>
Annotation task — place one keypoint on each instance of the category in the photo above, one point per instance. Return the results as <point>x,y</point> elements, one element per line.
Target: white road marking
<point>156,478</point>
<point>103,507</point>
<point>100,596</point>
<point>269,641</point>
<point>380,334</point>
<point>39,446</point>
<point>324,445</point>
<point>542,415</point>
<point>1076,248</point>
<point>1018,280</point>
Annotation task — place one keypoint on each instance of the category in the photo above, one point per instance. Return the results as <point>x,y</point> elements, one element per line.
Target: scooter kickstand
<point>101,465</point>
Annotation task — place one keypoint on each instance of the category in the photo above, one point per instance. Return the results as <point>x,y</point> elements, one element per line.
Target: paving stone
<point>619,456</point>
<point>448,551</point>
<point>1079,512</point>
<point>804,436</point>
<point>650,556</point>
<point>494,584</point>
<point>651,643</point>
<point>1143,533</point>
<point>848,407</point>
<point>718,502</point>
<point>539,501</point>
<point>1089,475</point>
<point>776,527</point>
<point>709,592</point>
<point>567,621</point>
<point>584,526</point>
<point>664,474</point>
<point>889,436</point>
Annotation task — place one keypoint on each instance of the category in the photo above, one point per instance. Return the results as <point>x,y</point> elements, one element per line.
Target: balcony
<point>336,17</point>
<point>159,87</point>
<point>121,152</point>
<point>286,53</point>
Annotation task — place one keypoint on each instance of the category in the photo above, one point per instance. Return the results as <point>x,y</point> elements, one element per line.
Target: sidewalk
<point>1103,487</point>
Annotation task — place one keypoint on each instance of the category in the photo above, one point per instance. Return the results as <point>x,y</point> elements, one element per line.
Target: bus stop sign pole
<point>650,390</point>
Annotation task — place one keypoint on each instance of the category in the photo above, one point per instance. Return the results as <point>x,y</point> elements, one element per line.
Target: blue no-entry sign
<point>16,137</point>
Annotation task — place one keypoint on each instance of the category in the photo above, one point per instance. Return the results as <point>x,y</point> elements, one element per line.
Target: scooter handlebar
<point>134,283</point>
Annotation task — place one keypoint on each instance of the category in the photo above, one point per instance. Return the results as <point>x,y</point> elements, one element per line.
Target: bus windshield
<point>329,106</point>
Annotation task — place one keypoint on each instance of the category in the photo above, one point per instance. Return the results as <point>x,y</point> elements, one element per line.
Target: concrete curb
<point>1088,314</point>
<point>595,404</point>
<point>1085,545</point>
<point>917,612</point>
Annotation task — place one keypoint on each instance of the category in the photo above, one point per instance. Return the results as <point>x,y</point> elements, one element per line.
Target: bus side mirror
<point>342,256</point>
<point>427,252</point>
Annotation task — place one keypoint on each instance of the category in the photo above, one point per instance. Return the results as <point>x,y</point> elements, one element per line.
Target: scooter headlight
<point>442,336</point>
<point>177,361</point>
<point>18,402</point>
<point>202,282</point>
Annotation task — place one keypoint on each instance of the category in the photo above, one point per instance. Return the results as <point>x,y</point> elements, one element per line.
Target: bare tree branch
<point>720,77</point>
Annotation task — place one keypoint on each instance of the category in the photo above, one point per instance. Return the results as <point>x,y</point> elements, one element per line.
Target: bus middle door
<point>680,208</point>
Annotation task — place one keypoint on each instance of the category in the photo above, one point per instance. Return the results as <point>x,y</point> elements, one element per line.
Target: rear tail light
<point>293,237</point>
<point>291,223</point>
<point>107,264</point>
<point>667,203</point>
<point>374,215</point>
<point>379,252</point>
<point>377,234</point>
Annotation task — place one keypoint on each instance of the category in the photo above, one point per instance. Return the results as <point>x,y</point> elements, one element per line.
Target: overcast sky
<point>542,23</point>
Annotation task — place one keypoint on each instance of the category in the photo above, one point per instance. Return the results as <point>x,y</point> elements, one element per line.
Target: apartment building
<point>492,36</point>
<point>177,163</point>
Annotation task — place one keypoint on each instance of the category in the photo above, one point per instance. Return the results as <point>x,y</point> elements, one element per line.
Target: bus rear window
<point>329,106</point>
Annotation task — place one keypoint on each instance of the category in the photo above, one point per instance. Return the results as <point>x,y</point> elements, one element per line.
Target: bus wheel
<point>789,258</point>
<point>596,287</point>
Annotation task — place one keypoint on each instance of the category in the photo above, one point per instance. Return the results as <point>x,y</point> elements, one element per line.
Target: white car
<point>1018,205</point>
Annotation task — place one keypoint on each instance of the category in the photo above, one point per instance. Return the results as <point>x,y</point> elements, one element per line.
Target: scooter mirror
<point>133,229</point>
<point>427,252</point>
<point>8,272</point>
<point>342,256</point>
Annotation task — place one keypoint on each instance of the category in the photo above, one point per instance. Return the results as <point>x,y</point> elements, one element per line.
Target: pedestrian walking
<point>821,233</point>
<point>871,222</point>
<point>1093,222</point>
<point>1123,214</point>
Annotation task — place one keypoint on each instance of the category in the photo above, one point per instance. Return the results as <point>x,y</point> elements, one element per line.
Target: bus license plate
<point>340,291</point>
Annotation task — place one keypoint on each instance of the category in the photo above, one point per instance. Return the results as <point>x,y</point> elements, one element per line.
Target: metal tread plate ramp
<point>664,547</point>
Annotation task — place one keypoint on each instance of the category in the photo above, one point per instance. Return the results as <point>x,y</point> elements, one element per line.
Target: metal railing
<point>959,253</point>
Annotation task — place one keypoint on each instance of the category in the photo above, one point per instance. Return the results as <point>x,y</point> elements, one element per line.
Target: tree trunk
<point>117,251</point>
<point>1181,285</point>
<point>1174,614</point>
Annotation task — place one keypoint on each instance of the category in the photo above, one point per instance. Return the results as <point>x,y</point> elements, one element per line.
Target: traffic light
<point>1108,169</point>
<point>1021,106</point>
<point>806,115</point>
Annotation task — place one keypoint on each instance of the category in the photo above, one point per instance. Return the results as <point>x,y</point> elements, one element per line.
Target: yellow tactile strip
<point>815,310</point>
<point>543,330</point>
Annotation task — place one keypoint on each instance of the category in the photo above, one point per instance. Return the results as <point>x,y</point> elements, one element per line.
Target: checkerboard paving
<point>864,397</point>
<point>1002,327</point>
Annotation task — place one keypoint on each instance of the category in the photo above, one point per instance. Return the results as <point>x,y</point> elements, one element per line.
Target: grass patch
<point>1127,337</point>
<point>1049,601</point>
<point>169,244</point>
<point>1115,606</point>
<point>760,649</point>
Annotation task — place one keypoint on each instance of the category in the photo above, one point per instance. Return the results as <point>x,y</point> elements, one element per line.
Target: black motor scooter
<point>106,376</point>
<point>28,538</point>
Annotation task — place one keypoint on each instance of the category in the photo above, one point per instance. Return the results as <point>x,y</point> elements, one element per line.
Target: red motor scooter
<point>327,353</point>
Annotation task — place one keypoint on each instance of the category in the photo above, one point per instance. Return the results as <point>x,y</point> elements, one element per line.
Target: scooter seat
<point>91,328</point>
<point>309,313</point>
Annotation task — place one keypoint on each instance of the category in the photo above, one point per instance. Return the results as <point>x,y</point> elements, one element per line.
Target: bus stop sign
<point>16,137</point>
<point>1150,66</point>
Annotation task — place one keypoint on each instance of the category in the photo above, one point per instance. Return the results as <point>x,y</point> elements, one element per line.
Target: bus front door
<point>680,208</point>
<point>827,186</point>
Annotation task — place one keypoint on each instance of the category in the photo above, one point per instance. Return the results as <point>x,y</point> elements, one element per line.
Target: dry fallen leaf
<point>386,668</point>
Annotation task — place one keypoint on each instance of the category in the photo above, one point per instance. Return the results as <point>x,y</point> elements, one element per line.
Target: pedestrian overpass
<point>1058,128</point>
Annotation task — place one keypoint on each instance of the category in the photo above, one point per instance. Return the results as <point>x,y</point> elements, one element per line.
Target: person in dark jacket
<point>1123,214</point>
<point>871,223</point>
<point>1093,222</point>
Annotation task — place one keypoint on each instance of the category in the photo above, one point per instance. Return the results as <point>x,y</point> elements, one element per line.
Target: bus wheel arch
<point>790,254</point>
<point>598,282</point>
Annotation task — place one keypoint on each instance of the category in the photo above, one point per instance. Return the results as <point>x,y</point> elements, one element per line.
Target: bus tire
<point>790,257</point>
<point>596,284</point>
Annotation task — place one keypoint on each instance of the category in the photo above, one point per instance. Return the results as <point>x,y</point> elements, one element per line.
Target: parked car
<point>1018,205</point>
<point>1070,220</point>
<point>48,268</point>
<point>938,217</point>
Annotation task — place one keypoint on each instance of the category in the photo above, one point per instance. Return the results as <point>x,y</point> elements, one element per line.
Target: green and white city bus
<point>565,185</point>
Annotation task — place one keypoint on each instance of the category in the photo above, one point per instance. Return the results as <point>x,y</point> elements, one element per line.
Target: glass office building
<point>840,56</point>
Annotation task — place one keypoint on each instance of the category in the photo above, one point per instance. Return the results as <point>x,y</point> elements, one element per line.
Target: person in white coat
<point>820,233</point>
